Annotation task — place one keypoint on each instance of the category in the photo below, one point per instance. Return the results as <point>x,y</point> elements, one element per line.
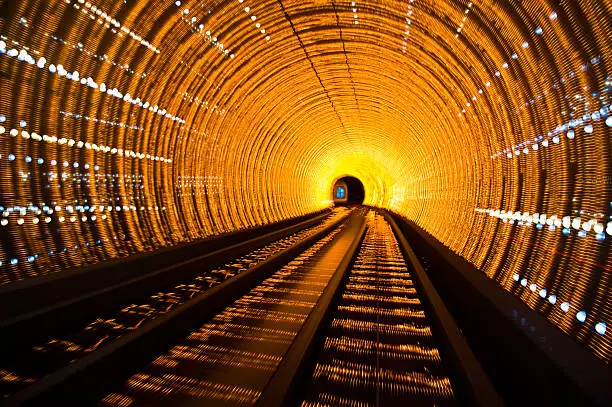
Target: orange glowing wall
<point>130,125</point>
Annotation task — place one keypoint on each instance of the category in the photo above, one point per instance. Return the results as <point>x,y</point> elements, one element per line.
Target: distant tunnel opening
<point>348,191</point>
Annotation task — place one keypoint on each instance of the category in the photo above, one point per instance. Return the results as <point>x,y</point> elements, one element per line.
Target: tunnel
<point>173,232</point>
<point>348,190</point>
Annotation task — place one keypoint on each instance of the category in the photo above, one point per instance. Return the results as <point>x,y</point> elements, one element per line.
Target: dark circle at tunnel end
<point>348,191</point>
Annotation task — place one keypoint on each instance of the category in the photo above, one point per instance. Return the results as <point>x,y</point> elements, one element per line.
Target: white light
<point>552,299</point>
<point>516,277</point>
<point>609,121</point>
<point>581,316</point>
<point>524,282</point>
<point>571,134</point>
<point>533,287</point>
<point>543,293</point>
<point>567,221</point>
<point>601,328</point>
<point>565,306</point>
<point>588,129</point>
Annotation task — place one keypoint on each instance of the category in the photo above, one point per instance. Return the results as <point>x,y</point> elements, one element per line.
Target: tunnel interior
<point>349,188</point>
<point>132,127</point>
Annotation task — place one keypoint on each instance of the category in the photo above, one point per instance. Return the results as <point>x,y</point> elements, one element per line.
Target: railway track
<point>337,314</point>
<point>379,348</point>
<point>109,317</point>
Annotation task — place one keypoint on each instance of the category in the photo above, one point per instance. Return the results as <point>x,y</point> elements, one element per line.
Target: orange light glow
<point>126,126</point>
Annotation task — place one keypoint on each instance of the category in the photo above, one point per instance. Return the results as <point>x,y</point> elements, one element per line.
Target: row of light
<point>408,25</point>
<point>466,12</point>
<point>80,47</point>
<point>100,58</point>
<point>106,179</point>
<point>109,22</point>
<point>556,86</point>
<point>581,315</point>
<point>75,76</point>
<point>194,130</point>
<point>190,181</point>
<point>355,16</point>
<point>80,144</point>
<point>569,127</point>
<point>32,258</point>
<point>61,219</point>
<point>70,209</point>
<point>212,39</point>
<point>498,73</point>
<point>103,121</point>
<point>253,17</point>
<point>553,222</point>
<point>41,161</point>
<point>49,210</point>
<point>199,102</point>
<point>199,74</point>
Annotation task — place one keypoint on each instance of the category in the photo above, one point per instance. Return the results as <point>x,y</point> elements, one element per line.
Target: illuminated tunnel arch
<point>468,118</point>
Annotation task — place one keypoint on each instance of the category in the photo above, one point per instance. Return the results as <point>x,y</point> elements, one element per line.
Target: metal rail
<point>287,375</point>
<point>111,364</point>
<point>473,379</point>
<point>32,328</point>
<point>29,295</point>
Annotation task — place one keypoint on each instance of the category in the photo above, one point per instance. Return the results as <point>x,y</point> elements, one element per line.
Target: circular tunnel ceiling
<point>128,125</point>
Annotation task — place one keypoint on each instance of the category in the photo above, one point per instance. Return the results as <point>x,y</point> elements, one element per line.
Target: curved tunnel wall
<point>131,125</point>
